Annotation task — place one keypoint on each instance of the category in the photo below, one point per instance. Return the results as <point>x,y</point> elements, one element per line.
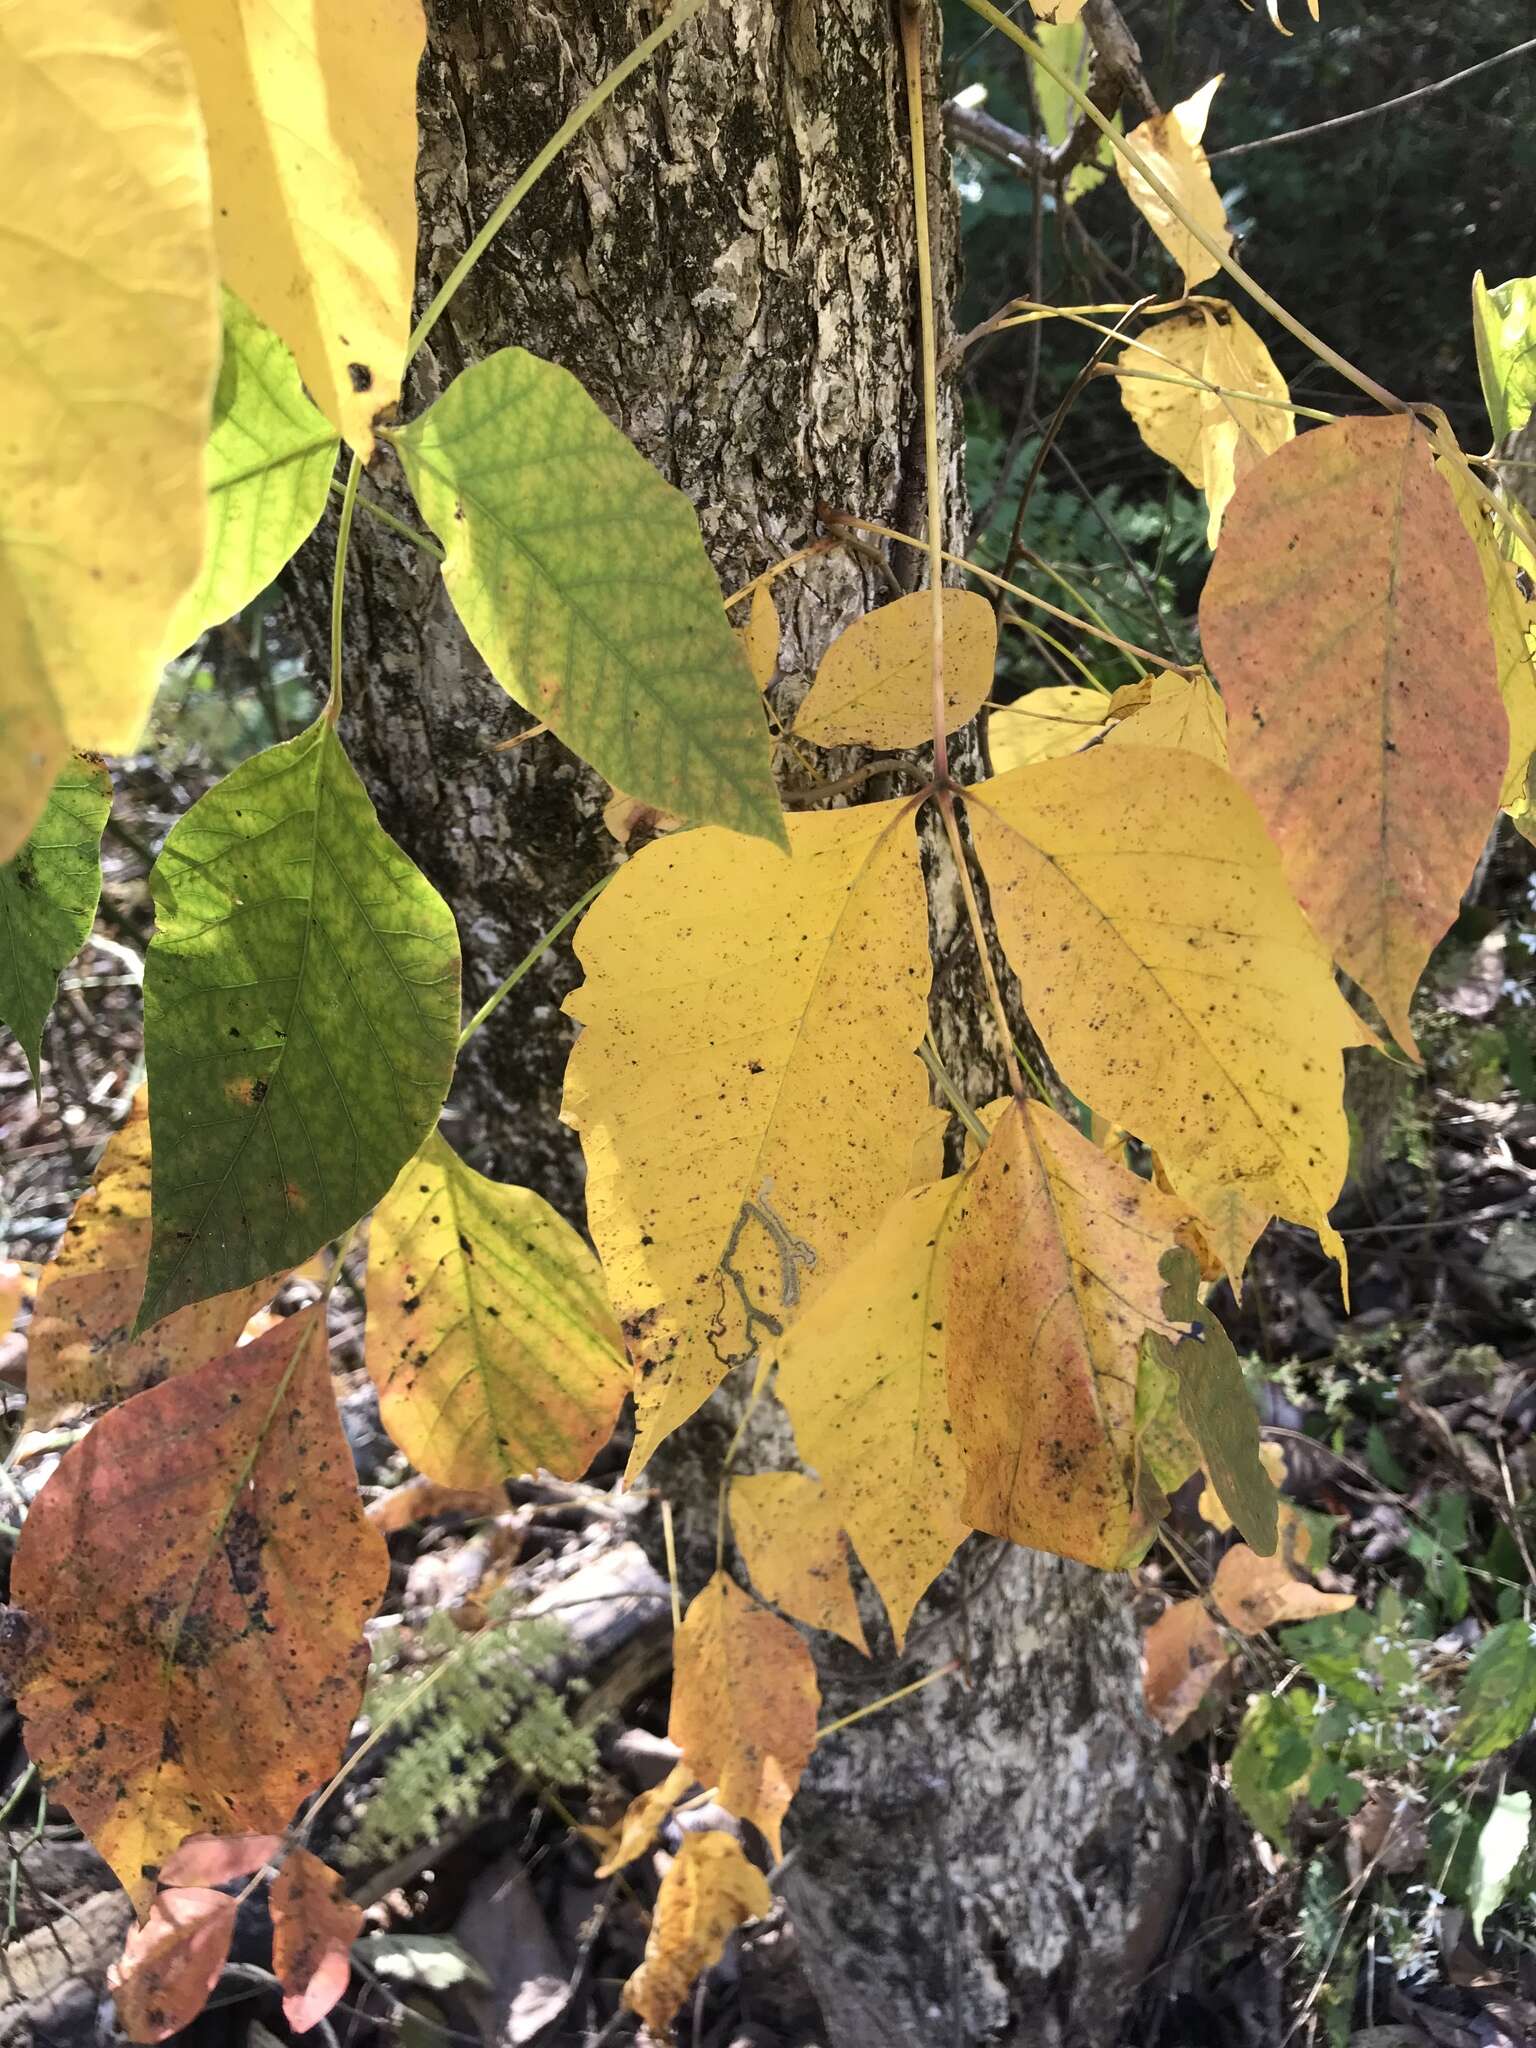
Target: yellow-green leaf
<point>1045,725</point>
<point>108,360</point>
<point>744,1704</point>
<point>1182,712</point>
<point>1065,42</point>
<point>1171,145</point>
<point>1512,618</point>
<point>1212,436</point>
<point>489,1334</point>
<point>1504,329</point>
<point>1345,620</point>
<point>301,1011</point>
<point>709,1889</point>
<point>1053,1279</point>
<point>48,895</point>
<point>581,576</point>
<point>760,635</point>
<point>270,458</point>
<point>1176,985</point>
<point>744,1083</point>
<point>862,1374</point>
<point>792,1542</point>
<point>80,1356</point>
<point>311,117</point>
<point>875,683</point>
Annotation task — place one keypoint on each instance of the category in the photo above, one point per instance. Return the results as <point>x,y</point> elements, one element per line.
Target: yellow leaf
<point>109,355</point>
<point>1182,1656</point>
<point>709,1890</point>
<point>489,1336</point>
<point>875,683</point>
<point>1512,618</point>
<point>1045,725</point>
<point>1183,712</point>
<point>744,1704</point>
<point>80,1356</point>
<point>1175,983</point>
<point>1053,1282</point>
<point>311,114</point>
<point>1213,439</point>
<point>744,1083</point>
<point>760,635</point>
<point>1255,1593</point>
<point>1058,11</point>
<point>793,1544</point>
<point>1211,1510</point>
<point>1171,144</point>
<point>1346,622</point>
<point>862,1375</point>
<point>643,1818</point>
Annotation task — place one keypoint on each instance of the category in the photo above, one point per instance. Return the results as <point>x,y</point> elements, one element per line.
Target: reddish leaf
<point>219,1859</point>
<point>171,1963</point>
<point>1182,1655</point>
<point>314,1926</point>
<point>193,1582</point>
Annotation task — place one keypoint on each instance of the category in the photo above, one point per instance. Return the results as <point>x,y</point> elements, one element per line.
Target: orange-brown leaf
<point>80,1355</point>
<point>170,1964</point>
<point>709,1890</point>
<point>794,1546</point>
<point>744,1703</point>
<point>314,1925</point>
<point>1346,622</point>
<point>1254,1593</point>
<point>642,1820</point>
<point>1053,1283</point>
<point>1182,1656</point>
<point>193,1581</point>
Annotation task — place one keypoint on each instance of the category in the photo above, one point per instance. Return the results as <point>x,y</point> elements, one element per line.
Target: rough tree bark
<point>725,258</point>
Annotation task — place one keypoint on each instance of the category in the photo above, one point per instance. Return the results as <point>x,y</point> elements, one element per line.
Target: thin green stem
<point>529,960</point>
<point>1125,148</point>
<point>1192,383</point>
<point>928,1053</point>
<point>912,55</point>
<point>890,1699</point>
<point>424,541</point>
<point>339,583</point>
<point>599,96</point>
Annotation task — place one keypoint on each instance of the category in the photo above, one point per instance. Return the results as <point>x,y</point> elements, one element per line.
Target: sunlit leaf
<point>581,576</point>
<point>1504,329</point>
<point>301,1011</point>
<point>489,1334</point>
<point>170,1965</point>
<point>1501,1842</point>
<point>1176,985</point>
<point>270,458</point>
<point>312,133</point>
<point>709,1890</point>
<point>1182,712</point>
<point>1053,1281</point>
<point>219,1859</point>
<point>875,683</point>
<point>48,894</point>
<point>1497,1700</point>
<point>744,1704</point>
<point>1171,144</point>
<point>314,1925</point>
<point>1255,1593</point>
<point>1345,620</point>
<point>862,1374</point>
<point>791,1540</point>
<point>1512,618</point>
<point>1065,42</point>
<point>202,1546</point>
<point>1274,1755</point>
<point>643,1820</point>
<point>1044,725</point>
<point>759,636</point>
<point>80,1356</point>
<point>744,1083</point>
<point>1182,1655</point>
<point>108,359</point>
<point>1057,11</point>
<point>1213,438</point>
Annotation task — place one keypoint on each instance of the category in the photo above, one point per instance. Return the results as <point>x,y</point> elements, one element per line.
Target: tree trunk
<point>725,258</point>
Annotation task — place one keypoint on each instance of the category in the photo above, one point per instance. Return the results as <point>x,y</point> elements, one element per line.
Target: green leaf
<point>301,1011</point>
<point>1497,1700</point>
<point>48,896</point>
<point>1274,1754</point>
<point>434,1961</point>
<point>581,577</point>
<point>270,458</point>
<point>1500,1845</point>
<point>1504,328</point>
<point>1215,1405</point>
<point>1335,1650</point>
